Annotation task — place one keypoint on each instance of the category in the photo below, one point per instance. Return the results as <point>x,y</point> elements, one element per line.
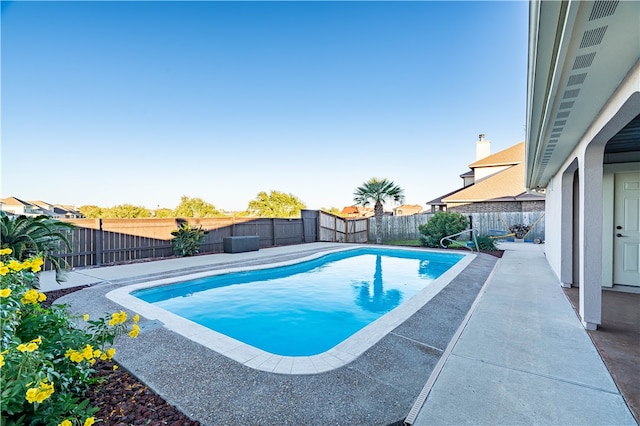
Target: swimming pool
<point>301,316</point>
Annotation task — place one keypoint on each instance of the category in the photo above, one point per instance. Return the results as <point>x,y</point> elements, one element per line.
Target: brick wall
<point>498,207</point>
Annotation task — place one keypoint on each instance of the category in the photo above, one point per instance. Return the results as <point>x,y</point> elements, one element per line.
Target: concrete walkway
<point>522,358</point>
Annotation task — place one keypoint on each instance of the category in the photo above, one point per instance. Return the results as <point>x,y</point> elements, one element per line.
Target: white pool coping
<point>341,354</point>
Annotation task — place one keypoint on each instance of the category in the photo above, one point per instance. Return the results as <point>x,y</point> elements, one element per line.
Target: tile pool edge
<point>255,358</point>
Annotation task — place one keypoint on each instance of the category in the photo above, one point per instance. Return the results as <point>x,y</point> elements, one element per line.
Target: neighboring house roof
<point>358,211</point>
<point>12,201</point>
<point>407,209</point>
<point>350,210</point>
<point>42,204</point>
<point>506,157</point>
<point>44,208</point>
<point>506,184</point>
<point>438,201</point>
<point>39,207</point>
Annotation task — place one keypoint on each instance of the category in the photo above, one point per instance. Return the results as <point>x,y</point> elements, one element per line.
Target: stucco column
<point>590,233</point>
<point>566,226</point>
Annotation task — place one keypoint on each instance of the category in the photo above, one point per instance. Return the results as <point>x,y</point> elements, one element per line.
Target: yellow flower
<point>42,297</point>
<point>74,355</point>
<point>5,292</point>
<point>23,348</point>
<point>135,330</point>
<point>65,422</point>
<point>89,421</point>
<point>115,367</point>
<point>36,264</point>
<point>15,265</point>
<point>5,251</point>
<point>1,360</point>
<point>97,353</point>
<point>111,352</point>
<point>87,352</point>
<point>37,340</point>
<point>118,318</point>
<point>39,394</point>
<point>31,347</point>
<point>136,318</point>
<point>4,270</point>
<point>85,317</point>
<point>31,296</point>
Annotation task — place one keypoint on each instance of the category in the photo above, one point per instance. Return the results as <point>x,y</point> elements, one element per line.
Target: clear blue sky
<point>108,103</point>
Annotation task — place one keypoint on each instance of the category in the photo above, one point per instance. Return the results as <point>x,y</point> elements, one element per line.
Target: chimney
<point>483,147</point>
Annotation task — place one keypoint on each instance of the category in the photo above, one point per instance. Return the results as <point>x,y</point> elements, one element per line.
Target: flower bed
<point>48,357</point>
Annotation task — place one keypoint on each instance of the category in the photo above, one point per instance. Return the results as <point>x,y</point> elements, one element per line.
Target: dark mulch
<point>496,253</point>
<point>123,399</point>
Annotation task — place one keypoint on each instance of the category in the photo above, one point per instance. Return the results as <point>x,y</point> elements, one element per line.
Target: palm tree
<point>30,236</point>
<point>378,191</point>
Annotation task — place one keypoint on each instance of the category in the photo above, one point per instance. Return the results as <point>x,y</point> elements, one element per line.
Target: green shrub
<point>485,242</point>
<point>187,239</point>
<point>46,359</point>
<point>441,225</point>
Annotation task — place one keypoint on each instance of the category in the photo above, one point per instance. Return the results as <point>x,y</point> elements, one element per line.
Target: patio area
<point>514,356</point>
<point>377,388</point>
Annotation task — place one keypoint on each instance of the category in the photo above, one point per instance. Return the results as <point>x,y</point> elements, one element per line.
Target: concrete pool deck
<point>523,357</point>
<point>520,356</point>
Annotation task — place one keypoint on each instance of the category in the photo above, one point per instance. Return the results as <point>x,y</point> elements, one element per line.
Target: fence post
<point>346,230</point>
<point>273,227</point>
<point>368,222</point>
<point>98,243</point>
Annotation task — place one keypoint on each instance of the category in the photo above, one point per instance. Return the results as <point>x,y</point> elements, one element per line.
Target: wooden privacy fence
<point>399,228</point>
<point>337,229</point>
<point>97,242</point>
<point>485,222</point>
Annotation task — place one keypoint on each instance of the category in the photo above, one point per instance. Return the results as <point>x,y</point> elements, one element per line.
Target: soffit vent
<point>560,123</point>
<point>563,114</point>
<point>567,105</point>
<point>568,94</point>
<point>577,79</point>
<point>593,37</point>
<point>584,61</point>
<point>603,8</point>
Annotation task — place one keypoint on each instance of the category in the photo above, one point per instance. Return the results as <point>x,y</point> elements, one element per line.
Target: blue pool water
<point>306,308</point>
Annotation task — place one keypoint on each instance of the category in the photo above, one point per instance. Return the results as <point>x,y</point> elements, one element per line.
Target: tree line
<point>273,204</point>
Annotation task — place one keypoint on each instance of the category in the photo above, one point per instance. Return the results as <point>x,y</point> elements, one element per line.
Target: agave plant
<point>39,235</point>
<point>187,239</point>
